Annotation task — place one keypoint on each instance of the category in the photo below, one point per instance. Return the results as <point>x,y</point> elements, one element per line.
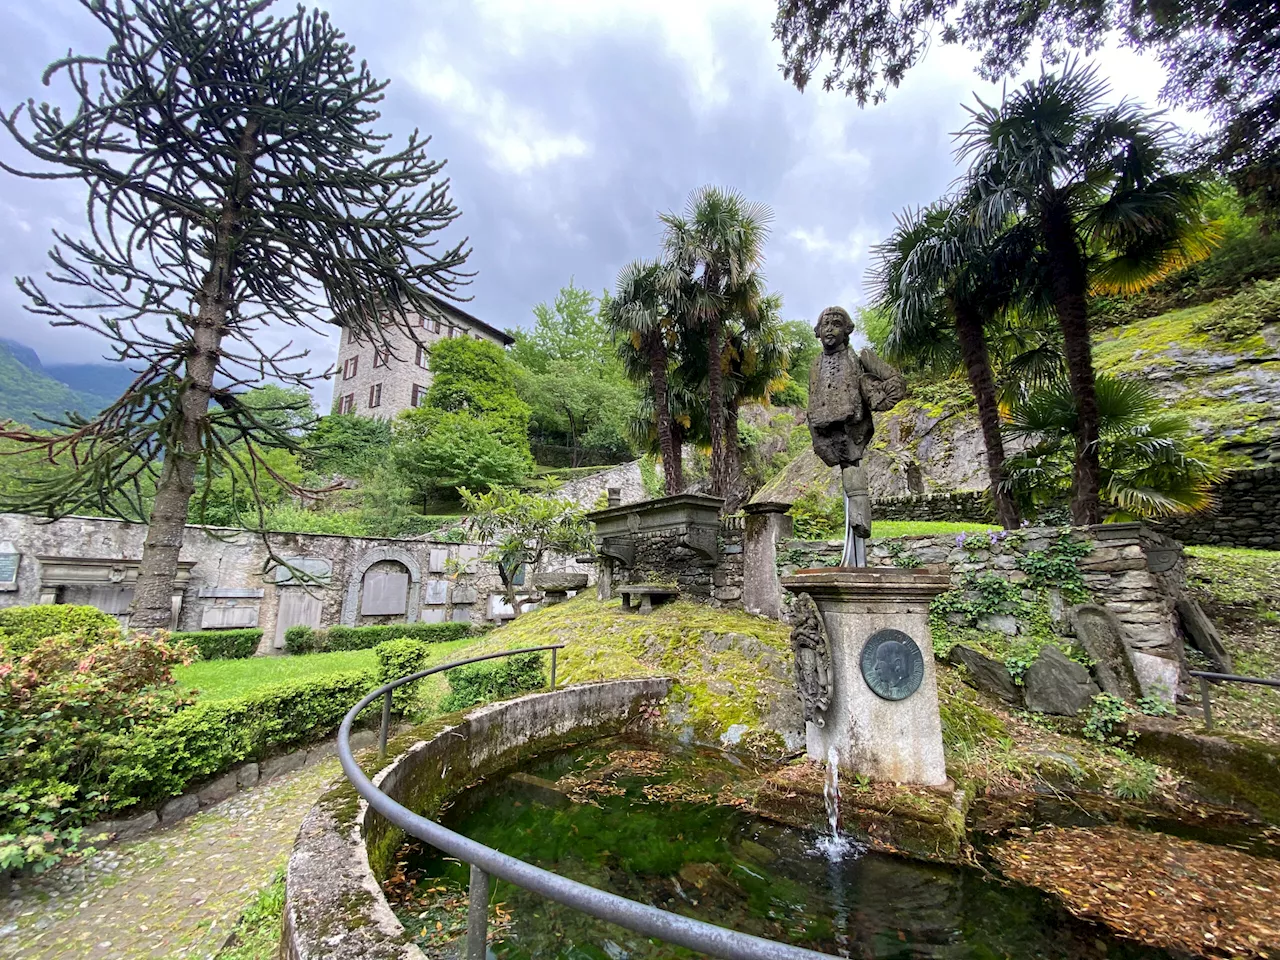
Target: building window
<point>418,396</point>
<point>380,358</point>
<point>478,337</point>
<point>449,332</point>
<point>435,325</point>
<point>349,367</point>
<point>421,358</point>
<point>375,395</point>
<point>347,404</point>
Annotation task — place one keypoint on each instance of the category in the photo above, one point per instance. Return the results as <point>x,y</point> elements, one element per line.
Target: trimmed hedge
<point>223,644</point>
<point>159,761</point>
<point>22,628</point>
<point>303,639</point>
<point>399,658</point>
<point>493,680</point>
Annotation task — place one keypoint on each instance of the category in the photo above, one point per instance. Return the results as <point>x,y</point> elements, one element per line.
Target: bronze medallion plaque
<point>892,665</point>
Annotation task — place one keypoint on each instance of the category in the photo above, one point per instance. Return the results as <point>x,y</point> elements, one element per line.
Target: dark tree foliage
<point>1221,57</point>
<point>234,178</point>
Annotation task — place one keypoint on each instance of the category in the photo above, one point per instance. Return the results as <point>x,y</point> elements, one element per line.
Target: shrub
<point>60,706</point>
<point>311,640</point>
<point>398,658</point>
<point>1243,315</point>
<point>157,762</point>
<point>817,516</point>
<point>21,628</point>
<point>222,644</point>
<point>494,680</point>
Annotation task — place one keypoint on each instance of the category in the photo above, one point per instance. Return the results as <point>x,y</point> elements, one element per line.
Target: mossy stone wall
<point>1247,513</point>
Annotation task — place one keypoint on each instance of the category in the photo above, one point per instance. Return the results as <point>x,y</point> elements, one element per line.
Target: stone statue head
<point>833,328</point>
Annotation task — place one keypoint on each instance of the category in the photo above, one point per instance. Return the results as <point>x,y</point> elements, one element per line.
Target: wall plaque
<point>9,559</point>
<point>892,664</point>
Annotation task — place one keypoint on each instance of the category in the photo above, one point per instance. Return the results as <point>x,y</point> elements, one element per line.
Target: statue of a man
<point>844,389</point>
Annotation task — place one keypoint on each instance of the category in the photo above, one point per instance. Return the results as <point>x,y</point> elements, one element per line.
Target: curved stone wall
<point>334,907</point>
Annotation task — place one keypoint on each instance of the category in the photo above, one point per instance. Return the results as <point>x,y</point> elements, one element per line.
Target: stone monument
<point>863,655</point>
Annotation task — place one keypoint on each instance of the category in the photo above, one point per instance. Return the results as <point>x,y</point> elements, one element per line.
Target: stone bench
<point>649,595</point>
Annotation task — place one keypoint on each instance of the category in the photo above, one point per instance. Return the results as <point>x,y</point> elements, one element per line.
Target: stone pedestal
<point>887,740</point>
<point>766,524</point>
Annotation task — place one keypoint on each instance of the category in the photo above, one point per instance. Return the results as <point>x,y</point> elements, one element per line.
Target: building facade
<point>374,382</point>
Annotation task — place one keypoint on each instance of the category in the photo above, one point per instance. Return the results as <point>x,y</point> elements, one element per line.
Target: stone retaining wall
<point>960,505</point>
<point>229,580</point>
<point>334,907</point>
<point>1137,573</point>
<point>1247,514</point>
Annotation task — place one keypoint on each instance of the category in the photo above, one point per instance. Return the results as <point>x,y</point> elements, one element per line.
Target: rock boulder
<point>1057,685</point>
<point>989,676</point>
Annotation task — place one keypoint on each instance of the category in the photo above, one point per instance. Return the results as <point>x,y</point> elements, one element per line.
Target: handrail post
<point>478,914</point>
<point>554,651</point>
<point>386,726</point>
<point>1204,703</point>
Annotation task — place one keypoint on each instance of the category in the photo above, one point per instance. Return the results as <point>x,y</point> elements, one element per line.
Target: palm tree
<point>1150,462</point>
<point>943,280</point>
<point>714,251</point>
<point>1095,186</point>
<point>638,317</point>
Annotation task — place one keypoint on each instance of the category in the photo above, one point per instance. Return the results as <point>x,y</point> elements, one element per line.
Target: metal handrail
<point>1205,676</point>
<point>641,918</point>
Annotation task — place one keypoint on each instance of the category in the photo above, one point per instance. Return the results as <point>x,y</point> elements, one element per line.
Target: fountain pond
<point>660,823</point>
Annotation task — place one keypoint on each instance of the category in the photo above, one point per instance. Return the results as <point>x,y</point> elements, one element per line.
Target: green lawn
<point>224,679</point>
<point>882,529</point>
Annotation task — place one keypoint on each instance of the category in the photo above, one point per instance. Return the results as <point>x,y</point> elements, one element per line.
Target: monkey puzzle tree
<point>234,179</point>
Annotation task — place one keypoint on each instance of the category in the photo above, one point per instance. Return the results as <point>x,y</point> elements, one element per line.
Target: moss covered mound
<point>732,670</point>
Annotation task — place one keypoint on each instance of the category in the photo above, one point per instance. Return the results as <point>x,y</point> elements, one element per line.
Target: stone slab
<point>1102,637</point>
<point>179,807</point>
<point>286,763</point>
<point>221,789</point>
<point>1203,635</point>
<point>1158,677</point>
<point>247,775</point>
<point>125,829</point>
<point>1058,685</point>
<point>989,676</point>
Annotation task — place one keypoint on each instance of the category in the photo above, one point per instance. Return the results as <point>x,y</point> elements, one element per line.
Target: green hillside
<point>27,394</point>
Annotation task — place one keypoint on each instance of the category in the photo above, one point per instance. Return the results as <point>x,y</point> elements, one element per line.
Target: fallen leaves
<point>1175,894</point>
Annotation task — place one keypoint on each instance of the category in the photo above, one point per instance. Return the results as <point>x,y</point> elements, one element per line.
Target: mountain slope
<point>28,393</point>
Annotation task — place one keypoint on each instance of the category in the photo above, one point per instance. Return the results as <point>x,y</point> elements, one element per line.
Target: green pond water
<point>638,820</point>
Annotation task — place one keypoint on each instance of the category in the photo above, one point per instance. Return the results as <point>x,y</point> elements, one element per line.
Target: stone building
<point>373,382</point>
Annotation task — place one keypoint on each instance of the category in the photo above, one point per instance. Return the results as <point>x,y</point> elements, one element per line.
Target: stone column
<point>767,523</point>
<point>865,612</point>
<point>604,579</point>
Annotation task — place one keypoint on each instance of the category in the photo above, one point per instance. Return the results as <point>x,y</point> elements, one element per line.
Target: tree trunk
<point>1070,289</point>
<point>671,464</point>
<point>977,363</point>
<point>715,405</point>
<point>152,606</point>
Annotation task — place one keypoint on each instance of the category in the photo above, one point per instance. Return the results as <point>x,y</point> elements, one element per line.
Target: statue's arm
<point>876,367</point>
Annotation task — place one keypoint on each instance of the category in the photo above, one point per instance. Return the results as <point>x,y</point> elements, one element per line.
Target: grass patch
<point>731,667</point>
<point>1240,590</point>
<point>885,529</point>
<point>257,934</point>
<point>225,679</point>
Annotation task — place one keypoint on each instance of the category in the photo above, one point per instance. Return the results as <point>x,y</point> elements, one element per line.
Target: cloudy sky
<point>569,125</point>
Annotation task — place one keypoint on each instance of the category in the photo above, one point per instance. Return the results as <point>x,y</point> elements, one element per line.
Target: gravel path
<point>176,892</point>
